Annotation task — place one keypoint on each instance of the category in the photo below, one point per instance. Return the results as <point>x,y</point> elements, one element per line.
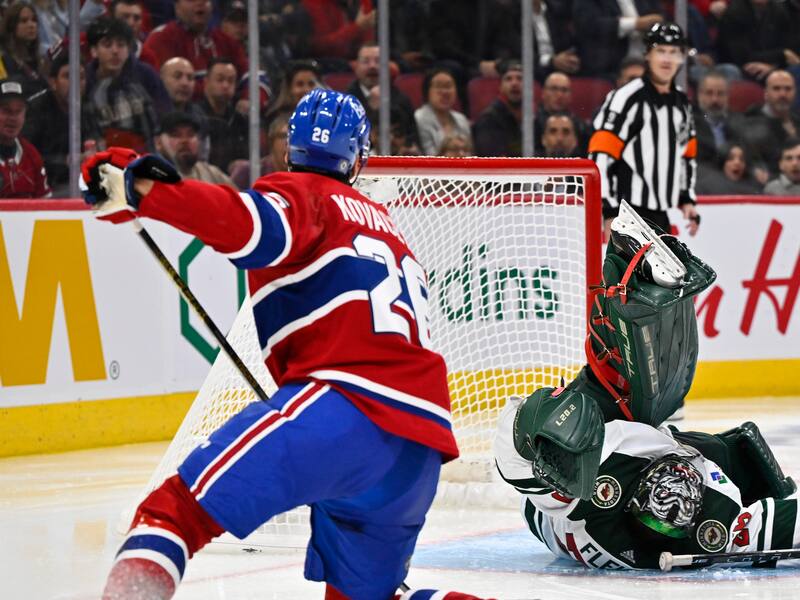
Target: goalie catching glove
<point>561,433</point>
<point>108,181</point>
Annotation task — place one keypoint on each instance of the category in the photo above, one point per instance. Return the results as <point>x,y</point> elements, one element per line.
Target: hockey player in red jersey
<point>360,424</point>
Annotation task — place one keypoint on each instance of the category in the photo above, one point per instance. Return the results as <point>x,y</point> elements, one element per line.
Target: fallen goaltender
<point>617,495</point>
<point>600,483</point>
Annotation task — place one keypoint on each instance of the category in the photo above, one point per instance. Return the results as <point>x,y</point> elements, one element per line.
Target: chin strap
<point>614,383</point>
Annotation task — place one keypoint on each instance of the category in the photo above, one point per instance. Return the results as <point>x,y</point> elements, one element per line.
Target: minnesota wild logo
<point>712,536</point>
<point>607,492</point>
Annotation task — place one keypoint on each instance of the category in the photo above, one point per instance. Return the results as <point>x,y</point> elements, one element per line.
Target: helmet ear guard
<point>561,432</point>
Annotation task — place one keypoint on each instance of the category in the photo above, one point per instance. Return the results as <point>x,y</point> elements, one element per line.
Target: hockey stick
<point>198,308</point>
<point>668,560</point>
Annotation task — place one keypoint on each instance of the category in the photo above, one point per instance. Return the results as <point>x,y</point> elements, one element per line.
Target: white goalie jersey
<point>602,533</point>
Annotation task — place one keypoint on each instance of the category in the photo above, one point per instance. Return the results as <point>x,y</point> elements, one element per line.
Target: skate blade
<point>668,271</point>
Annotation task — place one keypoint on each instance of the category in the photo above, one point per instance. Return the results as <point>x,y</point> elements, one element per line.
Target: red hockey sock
<point>138,579</point>
<point>331,593</point>
<point>173,507</point>
<point>169,527</point>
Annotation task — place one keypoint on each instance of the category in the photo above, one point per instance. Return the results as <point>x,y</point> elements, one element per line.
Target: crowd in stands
<point>170,76</point>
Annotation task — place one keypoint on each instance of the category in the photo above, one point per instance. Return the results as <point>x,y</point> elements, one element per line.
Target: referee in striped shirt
<point>644,141</point>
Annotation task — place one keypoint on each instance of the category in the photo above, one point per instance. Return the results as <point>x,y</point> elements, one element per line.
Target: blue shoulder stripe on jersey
<point>295,301</point>
<point>273,235</point>
<point>419,412</point>
<point>156,543</point>
<point>420,595</point>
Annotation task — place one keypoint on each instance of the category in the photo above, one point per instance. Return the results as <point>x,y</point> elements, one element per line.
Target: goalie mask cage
<point>510,246</point>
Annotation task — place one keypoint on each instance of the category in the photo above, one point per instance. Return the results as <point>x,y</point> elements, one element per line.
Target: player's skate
<point>659,262</point>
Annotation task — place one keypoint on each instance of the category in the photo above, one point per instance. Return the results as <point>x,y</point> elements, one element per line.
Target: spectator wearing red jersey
<point>22,173</point>
<point>132,12</point>
<point>190,36</point>
<point>337,34</point>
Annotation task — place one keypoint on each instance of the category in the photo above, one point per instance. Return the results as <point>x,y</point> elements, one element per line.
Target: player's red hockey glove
<point>117,183</point>
<point>93,192</point>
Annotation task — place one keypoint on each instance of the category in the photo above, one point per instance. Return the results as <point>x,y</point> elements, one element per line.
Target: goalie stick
<point>198,308</point>
<point>668,560</point>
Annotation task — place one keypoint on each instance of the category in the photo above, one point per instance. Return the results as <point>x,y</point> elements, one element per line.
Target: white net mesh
<point>506,258</point>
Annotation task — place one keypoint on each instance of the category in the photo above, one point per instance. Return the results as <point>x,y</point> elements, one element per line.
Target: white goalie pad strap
<point>668,271</point>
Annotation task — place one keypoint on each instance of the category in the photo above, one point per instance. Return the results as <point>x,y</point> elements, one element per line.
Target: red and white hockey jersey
<point>337,294</point>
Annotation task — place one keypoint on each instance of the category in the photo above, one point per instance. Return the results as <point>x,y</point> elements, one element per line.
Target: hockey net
<point>509,246</point>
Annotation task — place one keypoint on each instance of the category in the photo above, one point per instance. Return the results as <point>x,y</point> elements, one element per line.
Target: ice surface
<point>59,513</point>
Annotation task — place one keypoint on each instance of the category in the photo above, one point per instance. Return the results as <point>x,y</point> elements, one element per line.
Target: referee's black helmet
<point>664,34</point>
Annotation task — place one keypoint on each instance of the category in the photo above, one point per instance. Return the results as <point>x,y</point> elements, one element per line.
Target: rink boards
<point>96,349</point>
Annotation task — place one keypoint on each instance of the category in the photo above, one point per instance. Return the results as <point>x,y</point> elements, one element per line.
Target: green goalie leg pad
<point>654,332</point>
<point>745,457</point>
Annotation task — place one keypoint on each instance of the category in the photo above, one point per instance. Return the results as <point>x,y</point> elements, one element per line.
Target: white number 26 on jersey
<point>386,295</point>
<point>320,135</point>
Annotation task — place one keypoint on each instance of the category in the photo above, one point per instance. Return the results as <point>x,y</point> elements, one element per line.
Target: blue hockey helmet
<point>328,132</point>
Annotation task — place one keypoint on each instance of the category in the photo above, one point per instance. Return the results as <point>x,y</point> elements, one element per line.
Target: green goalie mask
<point>669,497</point>
<point>644,329</point>
<point>561,432</point>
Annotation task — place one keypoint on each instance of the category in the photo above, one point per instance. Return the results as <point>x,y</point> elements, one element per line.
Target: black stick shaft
<point>198,308</point>
<point>703,560</point>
